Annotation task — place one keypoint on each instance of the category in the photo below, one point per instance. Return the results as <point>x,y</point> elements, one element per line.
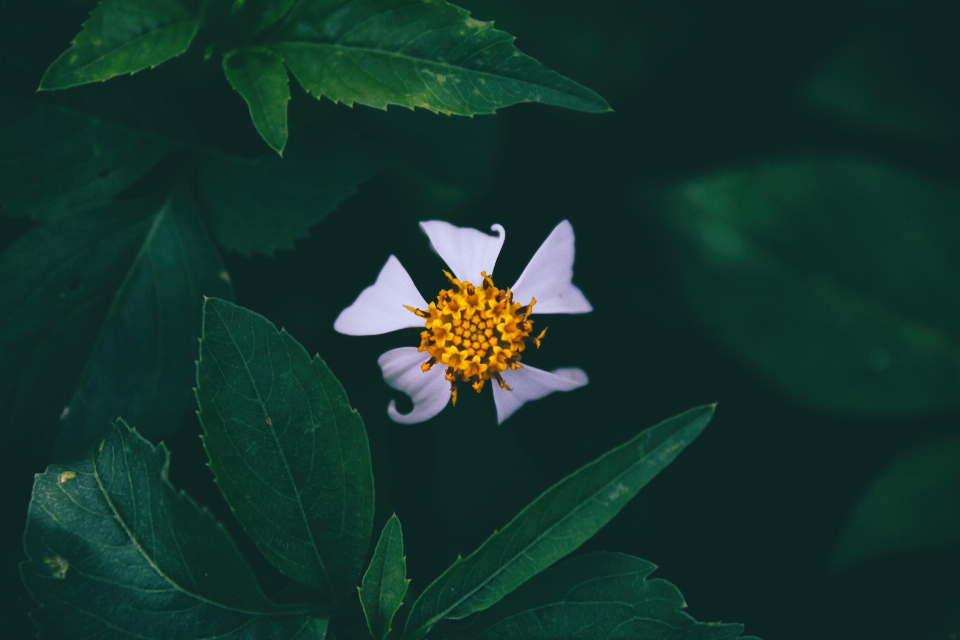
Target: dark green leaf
<point>385,582</point>
<point>554,524</point>
<point>425,53</point>
<point>914,504</point>
<point>290,454</point>
<point>837,278</point>
<point>264,204</point>
<point>123,36</point>
<point>101,313</point>
<point>260,77</point>
<point>271,11</point>
<point>116,552</point>
<point>57,161</point>
<point>596,596</point>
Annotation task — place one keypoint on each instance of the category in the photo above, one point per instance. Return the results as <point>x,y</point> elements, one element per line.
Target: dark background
<point>745,521</point>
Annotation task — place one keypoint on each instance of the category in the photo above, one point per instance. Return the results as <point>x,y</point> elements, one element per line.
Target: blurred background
<point>769,220</point>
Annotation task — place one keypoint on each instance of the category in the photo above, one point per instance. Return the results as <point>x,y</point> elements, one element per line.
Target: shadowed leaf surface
<point>116,552</point>
<point>596,596</point>
<point>385,581</point>
<point>553,525</point>
<point>289,453</point>
<point>416,53</point>
<point>838,278</point>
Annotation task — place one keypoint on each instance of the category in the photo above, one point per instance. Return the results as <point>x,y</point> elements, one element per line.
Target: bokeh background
<point>748,520</point>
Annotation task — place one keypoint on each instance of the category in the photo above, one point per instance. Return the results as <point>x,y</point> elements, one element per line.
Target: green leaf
<point>264,204</point>
<point>837,278</point>
<point>289,453</point>
<point>101,313</point>
<point>914,504</point>
<point>385,582</point>
<point>260,78</point>
<point>271,11</point>
<point>114,551</point>
<point>57,161</point>
<point>554,524</point>
<point>123,36</point>
<point>598,595</point>
<point>425,53</point>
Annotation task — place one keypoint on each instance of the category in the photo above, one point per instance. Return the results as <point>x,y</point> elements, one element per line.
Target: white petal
<point>529,383</point>
<point>429,390</point>
<point>379,308</point>
<point>466,251</point>
<point>549,274</point>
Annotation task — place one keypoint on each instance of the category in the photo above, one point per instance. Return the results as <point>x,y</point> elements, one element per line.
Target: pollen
<point>476,332</point>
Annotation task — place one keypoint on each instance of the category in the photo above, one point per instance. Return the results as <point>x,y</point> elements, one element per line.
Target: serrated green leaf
<point>553,525</point>
<point>289,453</point>
<point>385,581</point>
<point>100,316</point>
<point>837,278</point>
<point>123,36</point>
<point>596,596</point>
<point>56,161</point>
<point>424,53</point>
<point>264,204</point>
<point>260,78</point>
<point>115,552</point>
<point>913,504</point>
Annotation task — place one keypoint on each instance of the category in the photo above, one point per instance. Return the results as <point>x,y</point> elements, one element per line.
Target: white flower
<point>473,332</point>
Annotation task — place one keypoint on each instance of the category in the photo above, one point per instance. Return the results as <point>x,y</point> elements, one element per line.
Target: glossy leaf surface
<point>385,581</point>
<point>837,278</point>
<point>116,552</point>
<point>914,504</point>
<point>598,595</point>
<point>123,36</point>
<point>260,78</point>
<point>553,525</point>
<point>57,161</point>
<point>424,53</point>
<point>289,453</point>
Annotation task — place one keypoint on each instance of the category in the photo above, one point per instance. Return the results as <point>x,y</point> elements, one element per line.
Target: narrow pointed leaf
<point>385,582</point>
<point>123,36</point>
<point>598,595</point>
<point>289,453</point>
<point>260,78</point>
<point>99,316</point>
<point>914,504</point>
<point>836,277</point>
<point>425,53</point>
<point>553,525</point>
<point>261,205</point>
<point>115,552</point>
<point>57,161</point>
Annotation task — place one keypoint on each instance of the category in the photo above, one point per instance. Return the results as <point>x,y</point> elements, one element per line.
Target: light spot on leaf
<point>619,490</point>
<point>225,276</point>
<point>269,421</point>
<point>58,566</point>
<point>66,476</point>
<point>66,410</point>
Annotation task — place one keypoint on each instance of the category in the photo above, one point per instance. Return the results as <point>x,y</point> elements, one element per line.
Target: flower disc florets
<point>476,331</point>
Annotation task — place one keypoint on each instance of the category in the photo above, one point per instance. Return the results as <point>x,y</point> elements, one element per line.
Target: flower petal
<point>530,383</point>
<point>429,390</point>
<point>549,274</point>
<point>379,308</point>
<point>466,251</point>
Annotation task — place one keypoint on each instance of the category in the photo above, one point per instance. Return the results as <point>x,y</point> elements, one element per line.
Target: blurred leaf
<point>837,278</point>
<point>264,204</point>
<point>426,53</point>
<point>56,161</point>
<point>116,552</point>
<point>598,595</point>
<point>870,84</point>
<point>289,453</point>
<point>260,78</point>
<point>914,504</point>
<point>270,12</point>
<point>385,582</point>
<point>553,525</point>
<point>102,311</point>
<point>123,36</point>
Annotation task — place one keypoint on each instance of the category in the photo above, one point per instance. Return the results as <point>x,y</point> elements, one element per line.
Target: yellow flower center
<point>476,332</point>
